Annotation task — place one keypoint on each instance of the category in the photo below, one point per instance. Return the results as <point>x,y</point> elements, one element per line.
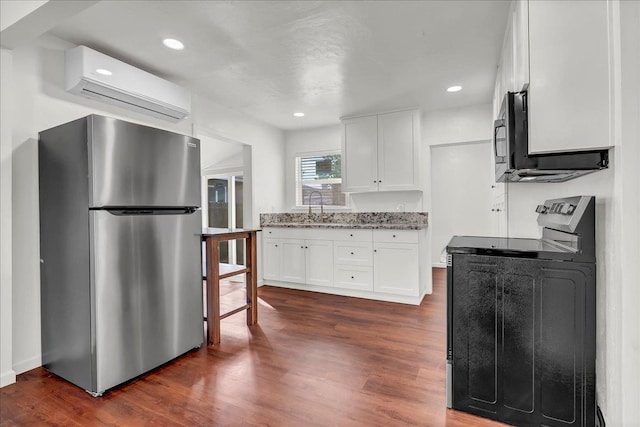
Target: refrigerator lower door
<point>146,292</point>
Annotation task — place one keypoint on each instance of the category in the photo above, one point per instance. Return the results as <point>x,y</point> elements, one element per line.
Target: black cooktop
<point>513,247</point>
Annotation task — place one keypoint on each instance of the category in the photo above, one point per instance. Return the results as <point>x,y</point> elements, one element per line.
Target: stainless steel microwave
<point>514,163</point>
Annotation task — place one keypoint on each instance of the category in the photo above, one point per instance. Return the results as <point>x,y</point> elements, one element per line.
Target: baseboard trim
<point>7,378</point>
<point>27,365</point>
<point>439,265</point>
<point>402,299</point>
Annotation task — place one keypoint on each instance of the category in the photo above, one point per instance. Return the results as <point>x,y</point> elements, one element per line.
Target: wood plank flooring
<point>313,360</point>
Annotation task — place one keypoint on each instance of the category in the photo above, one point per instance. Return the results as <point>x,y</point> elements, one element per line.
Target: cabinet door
<point>521,44</point>
<point>571,80</point>
<point>507,60</point>
<point>360,154</point>
<point>395,268</point>
<point>398,151</point>
<point>524,340</point>
<point>292,265</point>
<point>565,360</point>
<point>271,259</point>
<point>475,333</point>
<point>319,262</point>
<point>517,291</point>
<point>498,95</point>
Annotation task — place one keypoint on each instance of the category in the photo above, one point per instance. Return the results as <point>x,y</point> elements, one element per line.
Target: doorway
<point>462,194</point>
<point>226,189</point>
<point>225,209</point>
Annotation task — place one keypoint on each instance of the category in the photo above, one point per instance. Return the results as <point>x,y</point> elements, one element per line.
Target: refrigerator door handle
<point>150,211</point>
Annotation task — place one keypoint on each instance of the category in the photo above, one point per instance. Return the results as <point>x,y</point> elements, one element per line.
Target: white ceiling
<point>268,59</point>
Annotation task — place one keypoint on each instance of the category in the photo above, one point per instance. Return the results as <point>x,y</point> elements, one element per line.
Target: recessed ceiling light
<point>104,72</point>
<point>454,89</point>
<point>298,114</point>
<point>173,44</point>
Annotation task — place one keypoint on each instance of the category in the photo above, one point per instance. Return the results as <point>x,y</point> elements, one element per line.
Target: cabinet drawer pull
<point>394,235</point>
<point>352,277</point>
<point>351,253</point>
<point>351,235</point>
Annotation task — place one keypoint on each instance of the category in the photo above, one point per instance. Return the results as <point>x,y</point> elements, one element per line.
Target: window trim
<point>298,181</point>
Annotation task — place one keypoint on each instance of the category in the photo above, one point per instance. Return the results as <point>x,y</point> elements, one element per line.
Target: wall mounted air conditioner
<point>94,75</point>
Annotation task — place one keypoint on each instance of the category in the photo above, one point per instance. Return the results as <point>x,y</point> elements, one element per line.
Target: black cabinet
<point>523,339</point>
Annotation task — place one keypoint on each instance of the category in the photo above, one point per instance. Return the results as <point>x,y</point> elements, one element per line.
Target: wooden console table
<point>216,271</point>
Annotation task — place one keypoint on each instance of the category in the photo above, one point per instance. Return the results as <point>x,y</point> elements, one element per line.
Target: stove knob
<point>542,209</point>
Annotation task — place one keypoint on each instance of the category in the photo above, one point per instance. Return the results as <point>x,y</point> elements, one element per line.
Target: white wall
<point>455,125</point>
<point>7,374</point>
<point>12,11</point>
<point>628,192</point>
<point>38,72</point>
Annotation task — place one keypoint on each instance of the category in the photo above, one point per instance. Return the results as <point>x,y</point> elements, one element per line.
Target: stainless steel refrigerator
<point>121,286</point>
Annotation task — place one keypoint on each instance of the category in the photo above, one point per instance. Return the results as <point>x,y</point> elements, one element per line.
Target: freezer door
<point>134,165</point>
<point>146,290</point>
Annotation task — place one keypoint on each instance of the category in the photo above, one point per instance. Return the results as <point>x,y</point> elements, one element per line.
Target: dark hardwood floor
<point>313,360</point>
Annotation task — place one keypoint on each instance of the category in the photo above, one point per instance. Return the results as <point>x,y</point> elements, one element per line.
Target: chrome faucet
<point>322,217</point>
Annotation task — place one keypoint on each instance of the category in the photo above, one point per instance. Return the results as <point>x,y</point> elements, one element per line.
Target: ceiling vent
<point>97,76</point>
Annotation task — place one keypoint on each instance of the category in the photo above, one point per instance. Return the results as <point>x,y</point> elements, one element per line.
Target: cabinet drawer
<point>271,232</point>
<point>353,253</point>
<point>352,235</point>
<point>353,277</point>
<point>395,236</point>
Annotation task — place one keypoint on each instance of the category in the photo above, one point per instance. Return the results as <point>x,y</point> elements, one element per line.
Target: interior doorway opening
<point>225,209</point>
<point>226,191</point>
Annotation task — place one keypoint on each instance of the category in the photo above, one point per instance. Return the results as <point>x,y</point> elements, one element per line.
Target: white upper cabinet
<point>360,152</point>
<point>513,70</point>
<point>571,72</point>
<point>398,151</point>
<point>381,152</point>
<point>508,59</point>
<point>562,53</point>
<point>520,35</point>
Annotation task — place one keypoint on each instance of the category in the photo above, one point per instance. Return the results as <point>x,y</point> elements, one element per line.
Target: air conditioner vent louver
<point>127,86</point>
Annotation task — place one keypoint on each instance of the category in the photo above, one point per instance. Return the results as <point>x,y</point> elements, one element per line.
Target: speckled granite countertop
<point>366,220</point>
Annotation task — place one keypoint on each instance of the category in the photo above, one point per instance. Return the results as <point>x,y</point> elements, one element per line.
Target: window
<point>319,173</point>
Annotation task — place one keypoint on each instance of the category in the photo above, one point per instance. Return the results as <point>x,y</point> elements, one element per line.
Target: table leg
<point>252,279</point>
<point>213,291</point>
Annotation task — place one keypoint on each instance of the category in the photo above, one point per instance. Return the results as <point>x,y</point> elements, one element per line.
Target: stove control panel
<point>561,208</point>
<point>562,214</point>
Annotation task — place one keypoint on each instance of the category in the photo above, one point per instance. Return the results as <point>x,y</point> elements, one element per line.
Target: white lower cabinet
<point>292,266</point>
<point>374,264</point>
<point>319,262</point>
<point>396,268</point>
<point>306,261</point>
<point>271,259</point>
